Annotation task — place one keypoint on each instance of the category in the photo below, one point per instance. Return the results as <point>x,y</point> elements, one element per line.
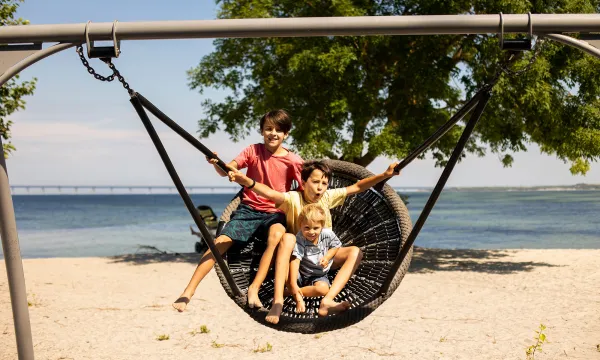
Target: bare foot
<point>330,307</point>
<point>181,303</point>
<point>274,313</point>
<point>253,300</point>
<point>300,306</point>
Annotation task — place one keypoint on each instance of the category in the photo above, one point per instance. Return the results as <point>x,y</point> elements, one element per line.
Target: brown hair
<point>280,118</point>
<point>309,166</point>
<point>312,212</point>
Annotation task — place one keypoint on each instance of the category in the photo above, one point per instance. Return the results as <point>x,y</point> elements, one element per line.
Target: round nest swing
<point>375,221</point>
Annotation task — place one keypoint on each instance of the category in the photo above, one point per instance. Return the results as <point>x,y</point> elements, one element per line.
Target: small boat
<point>212,223</point>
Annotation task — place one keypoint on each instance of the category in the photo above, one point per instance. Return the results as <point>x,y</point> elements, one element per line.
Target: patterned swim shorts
<point>246,223</point>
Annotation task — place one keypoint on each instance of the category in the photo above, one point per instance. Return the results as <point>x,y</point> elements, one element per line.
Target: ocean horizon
<point>83,225</point>
<point>232,189</point>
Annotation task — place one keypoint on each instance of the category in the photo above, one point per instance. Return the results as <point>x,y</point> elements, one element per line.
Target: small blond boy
<point>312,258</point>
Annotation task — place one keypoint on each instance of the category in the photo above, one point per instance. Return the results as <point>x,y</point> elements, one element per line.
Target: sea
<point>107,225</point>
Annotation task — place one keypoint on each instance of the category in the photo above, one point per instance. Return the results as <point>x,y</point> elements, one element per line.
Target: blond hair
<point>312,212</point>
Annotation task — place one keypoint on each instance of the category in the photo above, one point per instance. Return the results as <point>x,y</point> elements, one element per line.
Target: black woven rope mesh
<point>377,222</point>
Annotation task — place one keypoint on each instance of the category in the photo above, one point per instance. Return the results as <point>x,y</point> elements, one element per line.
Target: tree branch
<point>366,159</point>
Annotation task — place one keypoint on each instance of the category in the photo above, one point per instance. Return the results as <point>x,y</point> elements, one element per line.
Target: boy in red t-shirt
<point>269,163</point>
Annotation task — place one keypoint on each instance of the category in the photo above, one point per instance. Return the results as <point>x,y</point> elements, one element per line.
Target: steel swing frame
<point>24,48</point>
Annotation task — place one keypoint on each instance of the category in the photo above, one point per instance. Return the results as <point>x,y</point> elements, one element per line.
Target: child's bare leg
<point>299,299</point>
<point>282,265</point>
<point>206,263</point>
<point>349,258</point>
<point>320,288</point>
<point>292,289</point>
<point>276,232</point>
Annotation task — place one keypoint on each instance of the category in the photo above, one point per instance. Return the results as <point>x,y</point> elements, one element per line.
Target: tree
<point>13,92</point>
<point>358,97</point>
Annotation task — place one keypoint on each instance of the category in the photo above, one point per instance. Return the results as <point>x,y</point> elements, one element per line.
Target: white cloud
<point>82,154</point>
<point>66,132</point>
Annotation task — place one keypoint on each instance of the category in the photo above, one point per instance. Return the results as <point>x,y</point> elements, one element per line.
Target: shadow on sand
<point>424,260</point>
<point>155,258</point>
<point>486,261</point>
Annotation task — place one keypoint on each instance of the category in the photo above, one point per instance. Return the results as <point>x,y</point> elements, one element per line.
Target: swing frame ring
<point>90,43</point>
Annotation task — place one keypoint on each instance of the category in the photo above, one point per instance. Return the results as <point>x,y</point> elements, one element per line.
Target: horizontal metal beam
<point>297,27</point>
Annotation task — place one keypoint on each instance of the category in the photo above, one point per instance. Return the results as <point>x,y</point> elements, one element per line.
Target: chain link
<point>97,76</point>
<point>504,67</point>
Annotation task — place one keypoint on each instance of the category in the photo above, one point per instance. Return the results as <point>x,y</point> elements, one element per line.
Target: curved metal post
<point>14,267</point>
<point>8,228</point>
<point>581,45</point>
<point>30,60</point>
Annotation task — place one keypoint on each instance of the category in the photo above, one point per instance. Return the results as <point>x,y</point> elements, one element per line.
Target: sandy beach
<point>453,304</point>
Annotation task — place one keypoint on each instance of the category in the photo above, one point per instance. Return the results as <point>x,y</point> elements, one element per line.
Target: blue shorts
<point>246,223</point>
<point>311,280</point>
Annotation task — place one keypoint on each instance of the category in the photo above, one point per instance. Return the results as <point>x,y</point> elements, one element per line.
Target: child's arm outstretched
<point>261,189</point>
<point>367,183</point>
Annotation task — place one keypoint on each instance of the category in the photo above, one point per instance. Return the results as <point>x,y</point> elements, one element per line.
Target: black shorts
<point>311,280</point>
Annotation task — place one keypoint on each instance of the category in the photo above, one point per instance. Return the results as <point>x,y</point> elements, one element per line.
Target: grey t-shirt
<point>310,254</point>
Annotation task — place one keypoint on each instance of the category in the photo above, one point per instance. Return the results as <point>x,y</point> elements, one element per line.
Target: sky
<point>77,130</point>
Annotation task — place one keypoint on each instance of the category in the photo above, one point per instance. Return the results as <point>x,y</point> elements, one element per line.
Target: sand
<point>453,304</point>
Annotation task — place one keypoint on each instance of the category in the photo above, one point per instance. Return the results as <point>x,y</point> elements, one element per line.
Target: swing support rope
<point>477,105</point>
<point>479,101</point>
<point>141,104</point>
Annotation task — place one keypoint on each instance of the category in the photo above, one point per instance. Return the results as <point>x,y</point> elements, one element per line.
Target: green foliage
<point>12,93</point>
<point>163,337</point>
<point>203,330</point>
<point>358,97</point>
<point>33,302</point>
<point>540,338</point>
<point>261,349</point>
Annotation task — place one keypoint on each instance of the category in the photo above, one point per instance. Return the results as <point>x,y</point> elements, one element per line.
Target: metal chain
<point>97,76</point>
<point>504,66</point>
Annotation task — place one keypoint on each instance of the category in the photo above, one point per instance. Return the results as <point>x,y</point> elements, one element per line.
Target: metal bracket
<point>12,54</point>
<point>104,52</point>
<point>516,44</point>
<point>591,38</point>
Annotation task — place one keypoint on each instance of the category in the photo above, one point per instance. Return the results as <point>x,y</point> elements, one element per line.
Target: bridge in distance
<point>70,189</point>
<point>132,189</point>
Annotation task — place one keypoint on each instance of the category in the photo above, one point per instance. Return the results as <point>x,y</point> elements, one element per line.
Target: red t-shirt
<point>277,172</point>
